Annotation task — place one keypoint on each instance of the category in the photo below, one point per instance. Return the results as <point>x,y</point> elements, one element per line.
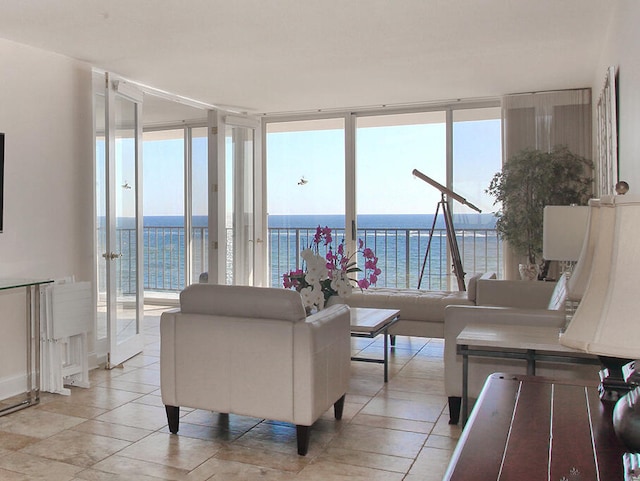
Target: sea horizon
<point>365,221</point>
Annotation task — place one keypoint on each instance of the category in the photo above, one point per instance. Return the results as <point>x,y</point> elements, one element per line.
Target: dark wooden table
<point>528,428</point>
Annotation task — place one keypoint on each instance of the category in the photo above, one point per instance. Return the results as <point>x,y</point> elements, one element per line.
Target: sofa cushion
<point>242,301</point>
<point>414,304</point>
<point>472,284</point>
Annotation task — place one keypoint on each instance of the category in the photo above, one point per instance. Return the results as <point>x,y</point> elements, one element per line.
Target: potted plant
<point>528,181</point>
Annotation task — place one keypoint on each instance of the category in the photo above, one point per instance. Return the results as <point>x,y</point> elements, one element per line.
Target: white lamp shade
<point>605,322</point>
<point>577,283</point>
<point>563,232</point>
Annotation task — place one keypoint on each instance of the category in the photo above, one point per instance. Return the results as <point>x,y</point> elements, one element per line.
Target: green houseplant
<point>530,180</point>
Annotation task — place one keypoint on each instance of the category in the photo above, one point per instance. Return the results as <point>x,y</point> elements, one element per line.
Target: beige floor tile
<point>152,399</point>
<point>281,438</point>
<point>395,464</point>
<point>131,386</point>
<point>233,471</point>
<point>170,450</point>
<point>37,468</point>
<point>379,440</point>
<point>37,423</point>
<point>79,449</point>
<point>288,462</point>
<point>116,431</point>
<point>326,470</point>
<point>431,462</point>
<point>141,376</point>
<point>404,409</point>
<point>124,466</point>
<point>95,475</point>
<point>15,442</point>
<point>398,424</point>
<point>72,409</point>
<point>100,397</point>
<point>137,416</point>
<point>13,476</point>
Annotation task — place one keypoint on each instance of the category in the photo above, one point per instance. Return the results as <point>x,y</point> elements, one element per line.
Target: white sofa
<point>252,351</point>
<point>421,311</point>
<point>511,303</point>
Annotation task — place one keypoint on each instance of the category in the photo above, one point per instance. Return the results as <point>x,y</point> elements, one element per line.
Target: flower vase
<point>529,272</point>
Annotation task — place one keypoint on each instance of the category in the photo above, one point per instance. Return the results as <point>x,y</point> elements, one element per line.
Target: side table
<point>529,428</point>
<point>529,343</point>
<point>32,287</point>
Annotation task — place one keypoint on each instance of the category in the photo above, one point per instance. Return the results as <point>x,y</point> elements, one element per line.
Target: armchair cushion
<point>242,301</point>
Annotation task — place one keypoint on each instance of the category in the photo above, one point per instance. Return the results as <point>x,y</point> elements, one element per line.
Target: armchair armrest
<point>321,361</point>
<point>522,294</point>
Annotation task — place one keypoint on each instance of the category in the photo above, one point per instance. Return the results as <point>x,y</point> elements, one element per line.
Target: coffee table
<point>370,322</point>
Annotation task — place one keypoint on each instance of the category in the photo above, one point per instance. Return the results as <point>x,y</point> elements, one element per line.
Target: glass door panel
<point>164,212</point>
<point>101,212</point>
<point>239,214</point>
<point>199,203</point>
<point>394,209</point>
<point>477,156</point>
<point>122,254</point>
<point>305,188</point>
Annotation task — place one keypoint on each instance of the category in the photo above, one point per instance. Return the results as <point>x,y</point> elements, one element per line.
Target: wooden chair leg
<point>338,407</point>
<point>454,409</point>
<point>302,435</point>
<point>173,418</point>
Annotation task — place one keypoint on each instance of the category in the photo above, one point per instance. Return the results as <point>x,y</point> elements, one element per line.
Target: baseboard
<point>13,386</point>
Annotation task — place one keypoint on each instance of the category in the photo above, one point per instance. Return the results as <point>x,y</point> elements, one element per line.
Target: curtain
<point>541,121</point>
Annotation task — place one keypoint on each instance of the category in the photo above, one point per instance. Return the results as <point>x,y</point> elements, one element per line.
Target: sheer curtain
<point>541,121</point>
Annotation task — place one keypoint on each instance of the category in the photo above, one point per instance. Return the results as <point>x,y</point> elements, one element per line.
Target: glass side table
<point>32,291</point>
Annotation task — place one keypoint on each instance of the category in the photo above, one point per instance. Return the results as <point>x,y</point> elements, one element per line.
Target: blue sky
<point>386,157</point>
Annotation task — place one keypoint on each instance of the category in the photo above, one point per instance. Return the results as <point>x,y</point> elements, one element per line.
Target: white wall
<point>46,116</point>
<point>622,49</point>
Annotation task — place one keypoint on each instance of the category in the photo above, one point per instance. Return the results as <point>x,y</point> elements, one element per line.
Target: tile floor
<point>116,430</point>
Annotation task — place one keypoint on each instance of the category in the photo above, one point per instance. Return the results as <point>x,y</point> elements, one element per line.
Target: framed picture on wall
<point>607,114</point>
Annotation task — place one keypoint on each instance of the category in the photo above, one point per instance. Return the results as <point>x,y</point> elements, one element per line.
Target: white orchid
<point>329,276</point>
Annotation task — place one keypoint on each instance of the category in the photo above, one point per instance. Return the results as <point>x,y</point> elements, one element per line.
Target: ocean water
<point>401,243</point>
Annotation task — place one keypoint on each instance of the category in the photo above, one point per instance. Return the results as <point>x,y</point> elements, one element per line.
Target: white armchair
<point>252,351</point>
<point>504,302</point>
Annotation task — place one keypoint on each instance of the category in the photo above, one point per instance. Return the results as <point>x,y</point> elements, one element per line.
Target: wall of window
<point>353,173</point>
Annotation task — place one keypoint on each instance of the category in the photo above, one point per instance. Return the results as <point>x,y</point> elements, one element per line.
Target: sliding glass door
<point>394,209</point>
<point>305,187</point>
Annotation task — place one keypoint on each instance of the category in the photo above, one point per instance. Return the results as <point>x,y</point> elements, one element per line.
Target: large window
<point>394,209</point>
<point>354,174</point>
<point>170,255</point>
<point>305,187</point>
<point>477,156</point>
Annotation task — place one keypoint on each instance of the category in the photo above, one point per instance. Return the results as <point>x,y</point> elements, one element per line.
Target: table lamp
<point>563,232</point>
<point>605,320</point>
<point>577,283</point>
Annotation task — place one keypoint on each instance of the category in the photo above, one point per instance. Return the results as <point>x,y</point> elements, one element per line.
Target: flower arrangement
<point>329,276</point>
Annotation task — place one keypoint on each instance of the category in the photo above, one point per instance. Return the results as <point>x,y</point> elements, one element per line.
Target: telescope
<point>448,221</point>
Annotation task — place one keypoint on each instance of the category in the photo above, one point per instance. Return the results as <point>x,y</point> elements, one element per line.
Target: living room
<point>47,119</point>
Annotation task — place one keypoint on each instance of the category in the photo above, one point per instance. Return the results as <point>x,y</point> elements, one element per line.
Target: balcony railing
<point>400,251</point>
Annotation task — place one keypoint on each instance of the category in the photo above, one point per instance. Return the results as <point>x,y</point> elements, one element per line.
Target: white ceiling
<point>298,55</point>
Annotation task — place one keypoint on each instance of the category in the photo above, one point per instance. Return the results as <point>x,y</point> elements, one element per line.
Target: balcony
<point>400,251</point>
